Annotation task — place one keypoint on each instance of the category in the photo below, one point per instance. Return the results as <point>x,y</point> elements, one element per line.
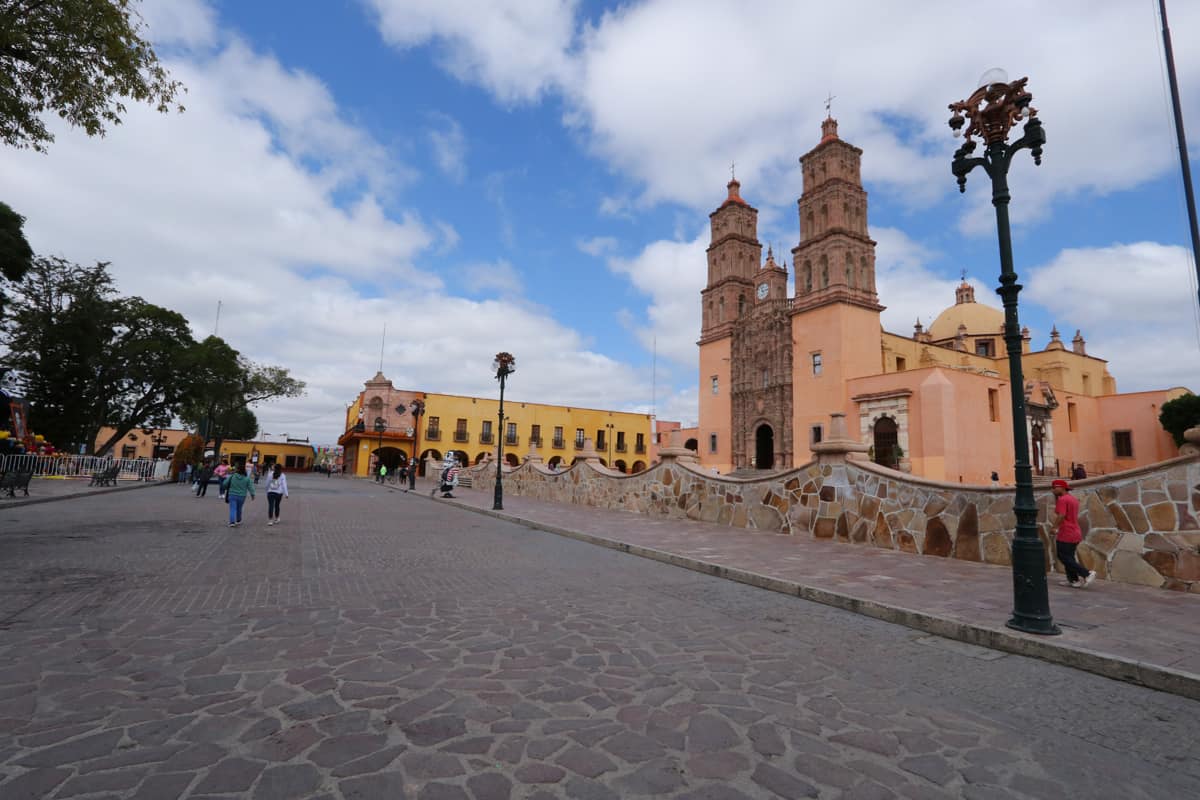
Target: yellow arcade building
<point>380,427</point>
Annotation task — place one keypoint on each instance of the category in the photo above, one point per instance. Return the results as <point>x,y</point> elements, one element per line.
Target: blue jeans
<point>235,507</point>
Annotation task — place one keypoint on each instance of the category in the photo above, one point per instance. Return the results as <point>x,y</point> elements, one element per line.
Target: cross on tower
<point>732,176</point>
<point>829,104</point>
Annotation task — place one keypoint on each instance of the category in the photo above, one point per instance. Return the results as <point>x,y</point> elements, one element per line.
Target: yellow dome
<point>979,319</point>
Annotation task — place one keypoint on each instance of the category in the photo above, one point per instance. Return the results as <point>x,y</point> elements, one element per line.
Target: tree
<point>190,450</point>
<point>16,256</point>
<point>1180,414</point>
<point>225,385</point>
<point>85,358</point>
<point>78,58</point>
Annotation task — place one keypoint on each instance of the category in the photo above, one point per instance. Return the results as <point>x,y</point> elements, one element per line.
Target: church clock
<point>763,289</point>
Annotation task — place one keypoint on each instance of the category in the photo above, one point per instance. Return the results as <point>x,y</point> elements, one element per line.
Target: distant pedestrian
<point>185,474</point>
<point>276,491</point>
<point>202,479</point>
<point>403,475</point>
<point>235,493</point>
<point>221,471</point>
<point>1068,536</point>
<point>1078,473</point>
<point>412,474</point>
<point>381,473</point>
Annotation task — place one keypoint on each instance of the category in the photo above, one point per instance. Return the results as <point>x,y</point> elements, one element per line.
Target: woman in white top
<point>276,491</point>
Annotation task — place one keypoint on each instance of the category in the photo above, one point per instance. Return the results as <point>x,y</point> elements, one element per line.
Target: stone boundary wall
<point>1139,526</point>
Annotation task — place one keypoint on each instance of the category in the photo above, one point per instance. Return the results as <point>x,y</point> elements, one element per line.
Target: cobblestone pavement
<point>381,645</point>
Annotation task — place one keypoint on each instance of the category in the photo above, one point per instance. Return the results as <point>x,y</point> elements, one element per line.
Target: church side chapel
<point>935,403</point>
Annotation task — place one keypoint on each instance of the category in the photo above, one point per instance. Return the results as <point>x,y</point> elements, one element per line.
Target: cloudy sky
<point>536,176</point>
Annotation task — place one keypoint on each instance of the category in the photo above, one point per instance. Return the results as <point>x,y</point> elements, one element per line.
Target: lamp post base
<point>1031,602</point>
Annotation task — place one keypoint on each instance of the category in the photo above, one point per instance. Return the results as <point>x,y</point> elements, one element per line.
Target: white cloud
<point>449,146</point>
<point>231,202</point>
<point>672,274</point>
<point>1135,305</point>
<point>517,49</point>
<point>907,287</point>
<point>491,278</point>
<point>190,23</point>
<point>598,245</point>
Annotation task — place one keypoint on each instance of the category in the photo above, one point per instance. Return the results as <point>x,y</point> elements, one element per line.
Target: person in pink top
<point>1068,536</point>
<point>222,472</point>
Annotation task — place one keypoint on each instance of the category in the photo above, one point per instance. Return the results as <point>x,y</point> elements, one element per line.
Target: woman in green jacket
<point>239,486</point>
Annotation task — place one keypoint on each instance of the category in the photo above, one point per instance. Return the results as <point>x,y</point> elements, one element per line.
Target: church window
<point>816,364</point>
<point>824,272</point>
<point>985,347</point>
<point>1072,422</point>
<point>721,310</point>
<point>901,364</point>
<point>824,218</point>
<point>808,226</point>
<point>766,378</point>
<point>741,305</point>
<point>714,384</point>
<point>817,433</point>
<point>1087,384</point>
<point>866,275</point>
<point>850,272</point>
<point>712,443</point>
<point>1122,444</point>
<point>994,404</point>
<point>807,277</point>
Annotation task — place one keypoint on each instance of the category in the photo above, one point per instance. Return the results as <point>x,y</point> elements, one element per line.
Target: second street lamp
<point>989,113</point>
<point>380,427</point>
<point>504,365</point>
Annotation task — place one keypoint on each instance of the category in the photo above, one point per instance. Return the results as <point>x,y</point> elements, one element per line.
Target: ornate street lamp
<point>417,407</point>
<point>504,365</point>
<point>609,436</point>
<point>989,113</point>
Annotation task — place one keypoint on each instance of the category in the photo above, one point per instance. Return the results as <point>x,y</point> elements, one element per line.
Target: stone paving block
<point>371,787</point>
<point>164,787</point>
<point>33,785</point>
<point>230,775</point>
<point>287,782</point>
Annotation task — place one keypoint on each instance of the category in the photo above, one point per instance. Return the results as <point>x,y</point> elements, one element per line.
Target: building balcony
<point>578,445</point>
<point>512,440</point>
<point>462,436</point>
<point>537,440</point>
<point>485,438</point>
<point>558,444</point>
<point>640,449</point>
<point>621,448</point>
<point>433,435</point>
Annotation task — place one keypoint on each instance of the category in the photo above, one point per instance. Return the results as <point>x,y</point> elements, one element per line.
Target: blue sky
<point>536,176</point>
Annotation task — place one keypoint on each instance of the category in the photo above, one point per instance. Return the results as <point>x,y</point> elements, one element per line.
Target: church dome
<point>979,319</point>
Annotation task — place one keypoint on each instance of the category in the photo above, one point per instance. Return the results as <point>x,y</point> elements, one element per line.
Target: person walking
<point>276,491</point>
<point>381,473</point>
<point>412,474</point>
<point>202,479</point>
<point>235,493</point>
<point>221,471</point>
<point>1068,536</point>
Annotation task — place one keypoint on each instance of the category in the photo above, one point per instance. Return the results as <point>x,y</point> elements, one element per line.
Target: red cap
<point>1060,484</point>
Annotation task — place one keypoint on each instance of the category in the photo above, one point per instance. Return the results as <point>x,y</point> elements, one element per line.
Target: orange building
<point>937,403</point>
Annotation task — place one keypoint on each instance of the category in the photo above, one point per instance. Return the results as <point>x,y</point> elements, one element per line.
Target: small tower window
<point>721,310</point>
<point>816,364</point>
<point>741,305</point>
<point>766,378</point>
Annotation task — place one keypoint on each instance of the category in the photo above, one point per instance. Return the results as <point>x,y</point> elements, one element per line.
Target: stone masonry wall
<point>1139,526</point>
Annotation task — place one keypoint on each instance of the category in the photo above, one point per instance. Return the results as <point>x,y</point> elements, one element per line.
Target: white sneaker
<point>1090,577</point>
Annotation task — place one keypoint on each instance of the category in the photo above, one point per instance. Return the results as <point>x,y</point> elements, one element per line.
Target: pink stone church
<point>935,402</point>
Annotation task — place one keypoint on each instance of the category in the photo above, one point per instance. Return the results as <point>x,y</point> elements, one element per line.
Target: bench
<point>13,480</point>
<point>106,477</point>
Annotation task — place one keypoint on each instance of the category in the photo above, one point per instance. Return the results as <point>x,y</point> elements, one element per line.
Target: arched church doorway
<point>692,444</point>
<point>887,436</point>
<point>1037,435</point>
<point>764,447</point>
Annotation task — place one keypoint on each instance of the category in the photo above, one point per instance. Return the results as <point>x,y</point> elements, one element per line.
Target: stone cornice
<point>888,395</point>
<point>829,234</point>
<point>834,294</point>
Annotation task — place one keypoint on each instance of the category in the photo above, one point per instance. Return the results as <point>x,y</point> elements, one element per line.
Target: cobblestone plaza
<point>383,645</point>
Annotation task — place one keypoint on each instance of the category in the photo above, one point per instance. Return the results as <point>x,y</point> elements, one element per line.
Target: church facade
<point>774,366</point>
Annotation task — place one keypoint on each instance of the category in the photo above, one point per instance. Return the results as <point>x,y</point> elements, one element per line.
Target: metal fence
<point>84,466</point>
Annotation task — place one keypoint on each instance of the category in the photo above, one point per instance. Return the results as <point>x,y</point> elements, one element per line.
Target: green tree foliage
<point>78,58</point>
<point>225,386</point>
<point>1180,414</point>
<point>85,358</point>
<point>16,256</point>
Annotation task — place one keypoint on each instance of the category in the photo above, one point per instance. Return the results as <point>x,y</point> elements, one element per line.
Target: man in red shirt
<point>1068,536</point>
